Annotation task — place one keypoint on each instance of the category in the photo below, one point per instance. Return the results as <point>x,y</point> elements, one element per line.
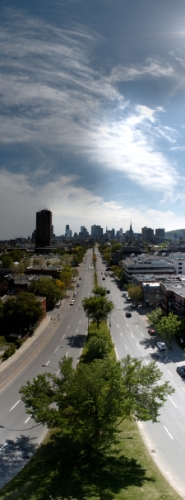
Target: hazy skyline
<point>92,114</point>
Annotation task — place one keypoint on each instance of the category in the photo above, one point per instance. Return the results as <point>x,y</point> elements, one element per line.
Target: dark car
<point>108,291</point>
<point>181,370</point>
<point>134,306</point>
<point>128,315</point>
<point>103,278</point>
<point>151,331</point>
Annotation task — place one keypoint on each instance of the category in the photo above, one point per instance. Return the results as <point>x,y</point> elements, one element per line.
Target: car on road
<point>108,291</point>
<point>161,346</point>
<point>103,278</point>
<point>151,331</point>
<point>72,302</point>
<point>181,370</point>
<point>128,299</point>
<point>128,315</point>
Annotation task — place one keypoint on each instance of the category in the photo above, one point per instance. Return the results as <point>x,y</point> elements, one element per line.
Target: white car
<point>72,302</point>
<point>161,346</point>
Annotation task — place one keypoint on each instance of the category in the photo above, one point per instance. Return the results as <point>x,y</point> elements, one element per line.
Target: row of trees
<point>20,313</point>
<point>88,402</point>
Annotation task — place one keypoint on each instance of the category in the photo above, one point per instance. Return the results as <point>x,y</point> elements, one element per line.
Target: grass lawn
<point>57,472</point>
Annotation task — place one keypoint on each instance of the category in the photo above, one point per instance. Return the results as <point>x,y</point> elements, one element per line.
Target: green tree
<point>169,326</point>
<point>98,347</point>
<point>135,292</point>
<point>85,403</point>
<point>16,255</point>
<point>100,290</point>
<point>66,276</point>
<point>6,261</point>
<point>46,287</point>
<point>154,316</point>
<point>97,308</point>
<point>22,311</point>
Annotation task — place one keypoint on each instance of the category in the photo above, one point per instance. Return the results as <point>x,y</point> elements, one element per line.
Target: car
<point>161,346</point>
<point>78,284</point>
<point>181,370</point>
<point>133,306</point>
<point>128,299</point>
<point>151,331</point>
<point>72,302</point>
<point>103,278</point>
<point>108,291</point>
<point>128,315</point>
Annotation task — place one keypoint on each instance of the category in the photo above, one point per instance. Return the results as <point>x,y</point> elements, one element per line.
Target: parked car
<point>128,315</point>
<point>151,331</point>
<point>72,302</point>
<point>108,291</point>
<point>181,370</point>
<point>161,346</point>
<point>103,278</point>
<point>128,299</point>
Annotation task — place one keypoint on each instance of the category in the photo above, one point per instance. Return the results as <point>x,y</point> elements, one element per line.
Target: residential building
<point>43,228</point>
<point>173,297</point>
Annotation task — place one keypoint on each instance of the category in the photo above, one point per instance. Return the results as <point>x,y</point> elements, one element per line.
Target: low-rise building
<point>146,265</point>
<point>173,297</point>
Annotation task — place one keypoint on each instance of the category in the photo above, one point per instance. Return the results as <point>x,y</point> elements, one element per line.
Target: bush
<point>18,343</point>
<point>9,351</point>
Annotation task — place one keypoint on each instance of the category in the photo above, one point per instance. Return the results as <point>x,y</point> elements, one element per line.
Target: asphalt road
<point>19,434</point>
<point>165,439</point>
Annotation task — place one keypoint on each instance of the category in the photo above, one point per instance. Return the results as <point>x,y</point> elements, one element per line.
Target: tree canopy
<point>169,326</point>
<point>85,403</point>
<point>66,276</point>
<point>97,308</point>
<point>21,311</point>
<point>154,316</point>
<point>100,290</point>
<point>47,287</point>
<point>135,292</point>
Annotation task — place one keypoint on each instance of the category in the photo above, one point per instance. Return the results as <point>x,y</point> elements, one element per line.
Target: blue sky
<point>92,98</point>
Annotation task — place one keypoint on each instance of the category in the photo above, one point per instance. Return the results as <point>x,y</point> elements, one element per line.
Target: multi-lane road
<point>165,439</point>
<point>19,434</point>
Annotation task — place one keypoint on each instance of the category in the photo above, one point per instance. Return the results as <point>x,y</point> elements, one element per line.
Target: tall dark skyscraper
<point>43,228</point>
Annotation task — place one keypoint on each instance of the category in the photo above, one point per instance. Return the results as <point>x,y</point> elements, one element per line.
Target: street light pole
<point>117,309</point>
<point>49,366</point>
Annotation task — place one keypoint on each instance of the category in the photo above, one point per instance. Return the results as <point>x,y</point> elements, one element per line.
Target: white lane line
<point>27,419</point>
<point>63,336</point>
<point>48,362</point>
<point>132,335</point>
<point>68,327</point>
<point>67,354</point>
<point>126,347</point>
<point>172,401</point>
<point>183,388</point>
<point>167,431</point>
<point>137,326</point>
<point>79,322</point>
<point>117,325</point>
<point>169,372</point>
<point>56,349</point>
<point>76,330</point>
<point>116,353</point>
<point>146,361</point>
<point>138,346</point>
<point>14,405</point>
<point>121,334</point>
<point>141,334</point>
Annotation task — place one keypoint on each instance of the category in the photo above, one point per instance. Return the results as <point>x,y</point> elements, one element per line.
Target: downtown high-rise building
<point>43,235</point>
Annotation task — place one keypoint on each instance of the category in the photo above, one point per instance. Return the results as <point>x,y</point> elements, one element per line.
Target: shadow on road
<point>76,341</point>
<point>14,456</point>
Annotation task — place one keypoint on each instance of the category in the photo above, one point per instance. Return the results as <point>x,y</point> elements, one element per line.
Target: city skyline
<point>92,114</point>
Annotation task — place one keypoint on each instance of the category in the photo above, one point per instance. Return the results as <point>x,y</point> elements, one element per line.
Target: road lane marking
<point>67,354</point>
<point>76,330</point>
<point>137,326</point>
<point>121,334</point>
<point>79,322</point>
<point>56,349</point>
<point>172,401</point>
<point>183,388</point>
<point>138,346</point>
<point>48,362</point>
<point>167,431</point>
<point>68,327</point>
<point>27,419</point>
<point>146,361</point>
<point>132,335</point>
<point>141,334</point>
<point>63,336</point>
<point>169,372</point>
<point>117,325</point>
<point>126,347</point>
<point>14,405</point>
